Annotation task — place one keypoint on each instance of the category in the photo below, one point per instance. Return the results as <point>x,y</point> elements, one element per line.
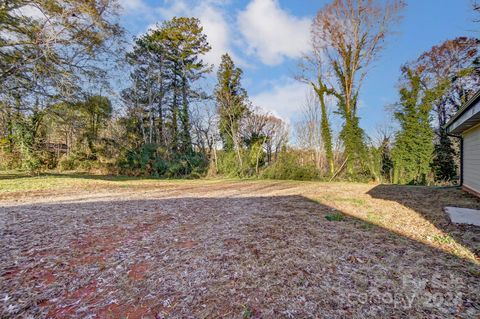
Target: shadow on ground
<point>431,207</point>
<point>78,175</point>
<point>7,176</point>
<point>270,257</point>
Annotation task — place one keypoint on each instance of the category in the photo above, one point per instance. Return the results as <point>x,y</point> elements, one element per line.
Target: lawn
<point>109,247</point>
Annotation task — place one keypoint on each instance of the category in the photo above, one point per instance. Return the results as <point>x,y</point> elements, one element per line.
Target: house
<point>465,124</point>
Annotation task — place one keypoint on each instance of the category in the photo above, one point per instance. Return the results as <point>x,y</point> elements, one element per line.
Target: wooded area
<point>60,107</point>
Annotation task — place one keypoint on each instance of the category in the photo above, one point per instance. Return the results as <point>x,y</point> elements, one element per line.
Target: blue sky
<point>266,38</point>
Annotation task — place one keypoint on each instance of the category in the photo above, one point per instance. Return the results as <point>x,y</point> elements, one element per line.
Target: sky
<point>266,38</point>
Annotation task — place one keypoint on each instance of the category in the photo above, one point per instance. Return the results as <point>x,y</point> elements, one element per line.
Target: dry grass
<point>128,248</point>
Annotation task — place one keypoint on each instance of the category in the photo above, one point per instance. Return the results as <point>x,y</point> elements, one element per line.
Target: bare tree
<point>383,134</point>
<point>312,128</point>
<point>204,125</point>
<point>49,48</point>
<point>229,106</point>
<point>277,132</point>
<point>449,69</point>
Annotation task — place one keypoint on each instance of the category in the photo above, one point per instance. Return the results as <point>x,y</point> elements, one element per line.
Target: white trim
<point>473,110</point>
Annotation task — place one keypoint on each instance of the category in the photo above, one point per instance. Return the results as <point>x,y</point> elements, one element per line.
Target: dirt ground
<point>233,249</point>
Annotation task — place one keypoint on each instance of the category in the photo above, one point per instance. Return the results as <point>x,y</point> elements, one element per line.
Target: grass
<point>443,239</point>
<point>17,182</point>
<point>374,218</point>
<point>247,312</point>
<point>337,217</point>
<point>77,245</point>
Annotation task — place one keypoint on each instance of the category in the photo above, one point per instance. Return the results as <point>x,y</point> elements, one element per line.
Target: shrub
<point>67,163</point>
<point>150,160</point>
<point>228,164</point>
<point>287,167</point>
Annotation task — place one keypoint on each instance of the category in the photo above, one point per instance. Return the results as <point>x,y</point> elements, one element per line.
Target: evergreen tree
<point>412,152</point>
<point>444,159</point>
<point>185,43</point>
<point>96,110</point>
<point>166,63</point>
<point>231,101</point>
<point>148,94</point>
<point>386,158</point>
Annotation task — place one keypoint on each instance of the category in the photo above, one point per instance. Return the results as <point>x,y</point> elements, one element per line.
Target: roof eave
<point>471,102</point>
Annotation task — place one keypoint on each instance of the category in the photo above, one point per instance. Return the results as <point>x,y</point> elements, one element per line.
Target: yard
<point>99,247</point>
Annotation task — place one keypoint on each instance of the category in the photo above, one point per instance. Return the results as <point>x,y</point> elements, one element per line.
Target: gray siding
<point>471,158</point>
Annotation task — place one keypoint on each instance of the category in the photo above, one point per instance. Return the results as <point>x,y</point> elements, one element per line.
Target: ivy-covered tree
<point>314,73</point>
<point>413,149</point>
<point>326,131</point>
<point>450,74</point>
<point>349,34</point>
<point>231,99</point>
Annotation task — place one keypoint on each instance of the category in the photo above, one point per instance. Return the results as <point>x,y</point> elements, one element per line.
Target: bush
<point>9,160</point>
<point>228,164</point>
<point>67,163</point>
<point>150,160</point>
<point>32,164</point>
<point>287,167</point>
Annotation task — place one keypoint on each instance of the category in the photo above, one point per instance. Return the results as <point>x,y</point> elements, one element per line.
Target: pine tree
<point>166,63</point>
<point>185,43</point>
<point>443,164</point>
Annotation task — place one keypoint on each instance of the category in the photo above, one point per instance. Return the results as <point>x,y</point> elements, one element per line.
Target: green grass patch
<point>373,218</point>
<point>247,312</point>
<point>19,182</point>
<point>443,239</point>
<point>336,217</point>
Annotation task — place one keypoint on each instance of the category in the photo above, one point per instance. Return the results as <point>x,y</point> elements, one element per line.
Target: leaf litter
<point>234,250</point>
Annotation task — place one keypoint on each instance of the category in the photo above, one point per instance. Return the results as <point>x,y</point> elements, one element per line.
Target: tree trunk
<point>186,138</point>
<point>326,132</point>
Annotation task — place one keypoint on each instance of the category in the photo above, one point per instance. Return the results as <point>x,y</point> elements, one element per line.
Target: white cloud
<point>218,34</point>
<point>212,18</point>
<point>284,99</point>
<point>176,8</point>
<point>272,33</point>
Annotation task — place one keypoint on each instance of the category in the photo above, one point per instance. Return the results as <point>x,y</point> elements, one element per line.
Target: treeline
<point>60,107</point>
